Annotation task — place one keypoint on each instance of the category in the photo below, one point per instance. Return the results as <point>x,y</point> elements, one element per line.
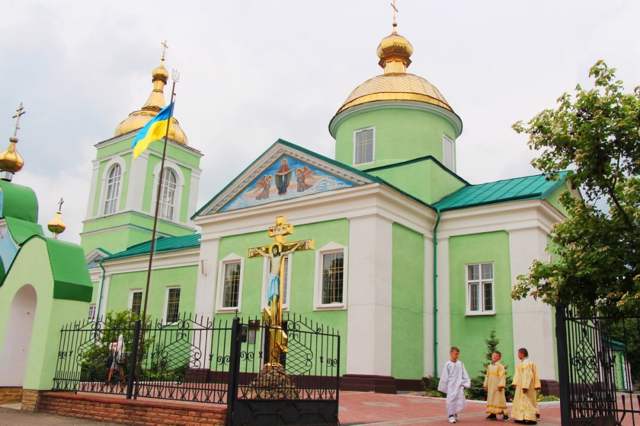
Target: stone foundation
<point>10,394</point>
<point>30,399</point>
<point>132,412</point>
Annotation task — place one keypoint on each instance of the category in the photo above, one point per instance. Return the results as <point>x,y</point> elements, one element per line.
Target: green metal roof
<point>69,270</point>
<point>162,244</point>
<point>520,188</point>
<point>18,201</point>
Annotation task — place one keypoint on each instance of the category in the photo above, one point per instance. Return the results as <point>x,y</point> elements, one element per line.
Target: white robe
<point>453,380</point>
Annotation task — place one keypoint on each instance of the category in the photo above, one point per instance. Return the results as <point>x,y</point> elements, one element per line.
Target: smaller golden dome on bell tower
<point>56,225</point>
<point>155,102</point>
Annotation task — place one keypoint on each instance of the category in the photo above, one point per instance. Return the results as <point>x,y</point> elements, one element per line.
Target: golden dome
<point>10,159</point>
<point>395,84</point>
<point>56,225</point>
<point>155,102</point>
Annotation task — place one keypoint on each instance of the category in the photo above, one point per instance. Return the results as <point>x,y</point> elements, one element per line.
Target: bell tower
<point>123,190</point>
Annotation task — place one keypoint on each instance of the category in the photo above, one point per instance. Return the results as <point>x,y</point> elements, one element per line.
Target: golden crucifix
<point>19,113</point>
<point>276,252</point>
<point>394,6</point>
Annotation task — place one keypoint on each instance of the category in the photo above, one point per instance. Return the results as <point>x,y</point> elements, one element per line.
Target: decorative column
<point>369,305</point>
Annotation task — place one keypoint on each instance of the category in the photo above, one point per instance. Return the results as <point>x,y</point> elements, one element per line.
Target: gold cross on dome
<point>164,46</point>
<point>19,113</point>
<point>394,6</point>
<point>60,203</point>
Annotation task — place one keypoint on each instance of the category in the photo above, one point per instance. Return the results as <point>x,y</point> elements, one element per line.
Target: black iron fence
<point>222,361</point>
<point>599,368</point>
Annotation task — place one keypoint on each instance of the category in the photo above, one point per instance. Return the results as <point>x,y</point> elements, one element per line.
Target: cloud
<point>254,71</point>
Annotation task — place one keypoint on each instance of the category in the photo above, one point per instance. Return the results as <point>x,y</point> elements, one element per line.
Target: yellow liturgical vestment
<point>495,381</point>
<point>525,404</point>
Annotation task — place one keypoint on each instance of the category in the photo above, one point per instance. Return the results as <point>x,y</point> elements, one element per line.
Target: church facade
<point>409,257</point>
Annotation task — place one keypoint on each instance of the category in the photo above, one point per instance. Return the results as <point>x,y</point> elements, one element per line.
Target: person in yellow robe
<point>495,381</point>
<point>527,384</point>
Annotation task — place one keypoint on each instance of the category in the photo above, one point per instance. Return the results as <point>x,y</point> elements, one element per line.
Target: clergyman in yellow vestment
<point>495,381</point>
<point>527,384</point>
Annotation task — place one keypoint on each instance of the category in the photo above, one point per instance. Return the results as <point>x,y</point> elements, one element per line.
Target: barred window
<point>231,284</point>
<point>168,194</point>
<point>135,304</point>
<point>112,189</point>
<point>364,141</point>
<point>480,288</point>
<point>92,311</point>
<point>173,305</point>
<point>332,277</point>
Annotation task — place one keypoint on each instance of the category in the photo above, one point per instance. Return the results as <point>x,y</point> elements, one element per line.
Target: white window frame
<point>166,303</point>
<point>130,301</point>
<point>265,281</point>
<point>231,258</point>
<point>92,313</point>
<point>178,193</point>
<point>481,311</point>
<point>174,202</point>
<point>327,249</point>
<point>105,178</point>
<point>373,148</point>
<point>446,139</point>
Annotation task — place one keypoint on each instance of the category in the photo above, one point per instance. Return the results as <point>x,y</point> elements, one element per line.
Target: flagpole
<point>158,194</point>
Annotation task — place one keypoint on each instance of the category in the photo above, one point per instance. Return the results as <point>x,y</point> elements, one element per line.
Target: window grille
<point>136,302</point>
<point>231,285</point>
<point>332,277</point>
<point>173,305</point>
<point>364,144</point>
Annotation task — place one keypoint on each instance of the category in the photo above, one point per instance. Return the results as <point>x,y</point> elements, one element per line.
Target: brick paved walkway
<point>411,410</point>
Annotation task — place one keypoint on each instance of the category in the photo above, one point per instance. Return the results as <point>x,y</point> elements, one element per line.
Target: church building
<point>410,258</point>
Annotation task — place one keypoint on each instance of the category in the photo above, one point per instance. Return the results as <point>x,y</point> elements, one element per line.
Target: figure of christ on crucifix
<point>276,253</point>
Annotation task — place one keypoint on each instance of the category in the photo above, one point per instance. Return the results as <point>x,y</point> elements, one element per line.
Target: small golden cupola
<point>155,102</point>
<point>11,161</point>
<point>56,225</point>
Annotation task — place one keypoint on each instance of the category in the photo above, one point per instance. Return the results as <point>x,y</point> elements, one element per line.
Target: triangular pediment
<point>285,171</point>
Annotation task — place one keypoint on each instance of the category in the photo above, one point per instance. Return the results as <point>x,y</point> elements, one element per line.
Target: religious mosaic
<point>286,178</point>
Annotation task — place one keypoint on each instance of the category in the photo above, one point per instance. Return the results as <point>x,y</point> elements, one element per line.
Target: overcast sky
<point>255,71</point>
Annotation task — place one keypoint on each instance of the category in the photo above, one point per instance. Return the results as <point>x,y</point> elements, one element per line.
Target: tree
<point>595,252</point>
<point>476,391</point>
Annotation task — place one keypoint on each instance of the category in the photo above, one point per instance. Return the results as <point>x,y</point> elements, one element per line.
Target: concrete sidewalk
<point>10,417</point>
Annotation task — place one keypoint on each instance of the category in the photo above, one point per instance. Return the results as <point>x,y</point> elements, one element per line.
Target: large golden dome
<point>137,119</point>
<point>396,84</point>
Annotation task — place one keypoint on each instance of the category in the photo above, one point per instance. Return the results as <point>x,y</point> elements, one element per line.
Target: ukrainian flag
<point>153,131</point>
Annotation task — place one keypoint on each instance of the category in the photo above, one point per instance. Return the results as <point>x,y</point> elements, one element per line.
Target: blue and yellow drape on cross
<point>153,131</point>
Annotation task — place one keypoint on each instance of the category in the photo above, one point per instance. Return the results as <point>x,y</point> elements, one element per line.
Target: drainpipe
<point>435,294</point>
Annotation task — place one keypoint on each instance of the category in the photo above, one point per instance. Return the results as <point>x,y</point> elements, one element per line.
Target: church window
<point>168,194</point>
<point>231,284</point>
<point>480,289</point>
<point>92,311</point>
<point>285,284</point>
<point>363,145</point>
<point>112,190</point>
<point>135,302</point>
<point>173,305</point>
<point>332,277</point>
<point>449,153</point>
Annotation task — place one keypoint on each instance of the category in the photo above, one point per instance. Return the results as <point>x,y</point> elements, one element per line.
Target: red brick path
<point>411,410</point>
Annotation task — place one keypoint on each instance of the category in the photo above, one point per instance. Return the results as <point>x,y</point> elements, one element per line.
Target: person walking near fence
<point>527,384</point>
<point>115,361</point>
<point>453,380</point>
<point>495,381</point>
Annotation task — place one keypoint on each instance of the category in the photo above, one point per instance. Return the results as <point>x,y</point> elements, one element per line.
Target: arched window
<point>112,189</point>
<point>168,194</point>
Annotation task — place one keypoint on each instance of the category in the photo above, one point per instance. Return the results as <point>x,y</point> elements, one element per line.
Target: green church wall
<point>50,314</point>
<point>97,198</point>
<point>422,178</point>
<point>554,198</point>
<point>400,134</point>
<point>119,231</point>
<point>407,299</point>
<point>469,332</point>
<point>175,151</point>
<point>302,274</point>
<point>185,277</point>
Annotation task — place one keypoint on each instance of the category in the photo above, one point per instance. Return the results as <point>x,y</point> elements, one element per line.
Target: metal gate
<point>307,392</point>
<point>598,367</point>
